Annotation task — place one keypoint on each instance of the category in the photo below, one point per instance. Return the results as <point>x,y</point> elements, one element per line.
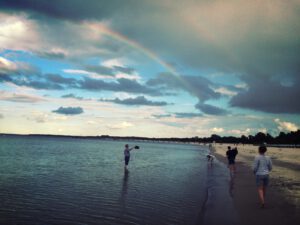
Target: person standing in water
<point>261,168</point>
<point>127,154</point>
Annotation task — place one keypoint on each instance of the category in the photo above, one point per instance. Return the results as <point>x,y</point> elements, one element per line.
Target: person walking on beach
<point>231,154</point>
<point>209,156</point>
<point>127,154</point>
<point>261,168</point>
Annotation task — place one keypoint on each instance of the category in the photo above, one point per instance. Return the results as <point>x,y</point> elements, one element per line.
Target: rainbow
<point>121,38</point>
<point>135,45</point>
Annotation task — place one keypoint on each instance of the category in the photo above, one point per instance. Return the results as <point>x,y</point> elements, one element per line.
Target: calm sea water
<point>49,180</point>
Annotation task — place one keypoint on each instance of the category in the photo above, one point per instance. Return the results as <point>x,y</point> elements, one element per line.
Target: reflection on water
<point>231,186</point>
<point>125,183</point>
<point>81,181</point>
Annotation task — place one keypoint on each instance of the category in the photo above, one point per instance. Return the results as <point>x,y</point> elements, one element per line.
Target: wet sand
<point>283,193</point>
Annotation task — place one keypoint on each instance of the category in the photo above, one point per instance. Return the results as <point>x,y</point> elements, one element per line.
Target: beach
<point>283,193</point>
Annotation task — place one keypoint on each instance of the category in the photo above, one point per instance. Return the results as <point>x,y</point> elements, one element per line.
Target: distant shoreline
<point>191,140</point>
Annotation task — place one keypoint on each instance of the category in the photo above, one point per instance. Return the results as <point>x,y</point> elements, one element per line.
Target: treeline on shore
<point>292,138</point>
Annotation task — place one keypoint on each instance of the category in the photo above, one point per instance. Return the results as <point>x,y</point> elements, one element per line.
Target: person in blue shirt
<point>262,166</point>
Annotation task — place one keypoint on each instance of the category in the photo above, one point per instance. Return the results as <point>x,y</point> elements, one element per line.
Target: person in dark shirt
<point>127,154</point>
<point>231,154</point>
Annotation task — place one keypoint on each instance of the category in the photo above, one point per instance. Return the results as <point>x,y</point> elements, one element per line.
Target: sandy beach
<point>282,201</point>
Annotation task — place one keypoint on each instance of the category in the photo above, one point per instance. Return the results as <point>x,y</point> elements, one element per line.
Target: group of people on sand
<point>261,167</point>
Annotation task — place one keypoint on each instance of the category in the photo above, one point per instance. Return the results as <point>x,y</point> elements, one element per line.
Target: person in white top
<point>261,168</point>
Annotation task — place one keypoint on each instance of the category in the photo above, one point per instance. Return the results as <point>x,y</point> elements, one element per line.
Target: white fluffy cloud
<point>285,126</point>
<point>122,125</point>
<point>217,130</point>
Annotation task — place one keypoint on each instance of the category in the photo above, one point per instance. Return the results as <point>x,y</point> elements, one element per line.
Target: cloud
<point>14,33</point>
<point>195,85</point>
<point>69,110</point>
<point>225,91</point>
<point>229,36</point>
<point>188,115</point>
<point>102,70</point>
<point>118,126</point>
<point>255,41</point>
<point>56,54</point>
<point>7,65</point>
<point>16,68</point>
<point>286,126</point>
<point>105,72</point>
<point>17,97</point>
<point>23,74</point>
<point>240,132</point>
<point>126,70</point>
<point>72,96</point>
<point>92,75</point>
<point>56,78</point>
<point>26,75</point>
<point>162,116</point>
<point>121,85</point>
<point>269,95</point>
<point>140,100</point>
<point>217,130</point>
<point>39,118</point>
<point>210,109</point>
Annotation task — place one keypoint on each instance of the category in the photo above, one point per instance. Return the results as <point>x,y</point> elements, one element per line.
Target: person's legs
<point>262,183</point>
<point>261,195</point>
<point>231,167</point>
<point>126,161</point>
<point>265,184</point>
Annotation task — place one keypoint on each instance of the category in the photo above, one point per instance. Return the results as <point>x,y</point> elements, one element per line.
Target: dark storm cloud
<point>56,78</point>
<point>37,80</point>
<point>69,110</point>
<point>100,70</point>
<point>75,9</point>
<point>210,109</point>
<point>162,116</point>
<point>30,76</point>
<point>179,115</point>
<point>122,85</point>
<point>4,77</point>
<point>39,85</point>
<point>194,85</point>
<point>140,100</point>
<point>188,115</point>
<point>269,96</point>
<point>52,55</point>
<point>72,96</point>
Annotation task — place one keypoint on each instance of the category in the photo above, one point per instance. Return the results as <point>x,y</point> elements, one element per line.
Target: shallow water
<point>47,180</point>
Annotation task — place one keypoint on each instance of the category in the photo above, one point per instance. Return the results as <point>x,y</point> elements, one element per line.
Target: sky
<point>152,68</point>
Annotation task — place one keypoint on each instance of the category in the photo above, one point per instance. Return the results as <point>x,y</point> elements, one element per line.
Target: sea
<point>64,180</point>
